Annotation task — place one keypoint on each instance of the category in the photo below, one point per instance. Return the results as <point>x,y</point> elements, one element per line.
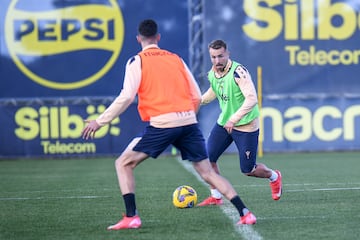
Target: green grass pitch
<point>79,198</point>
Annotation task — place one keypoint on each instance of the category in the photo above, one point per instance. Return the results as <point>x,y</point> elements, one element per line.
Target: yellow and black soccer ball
<point>184,197</point>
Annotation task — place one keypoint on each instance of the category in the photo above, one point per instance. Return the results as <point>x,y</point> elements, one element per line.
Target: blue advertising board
<point>63,61</point>
<point>53,129</point>
<point>78,48</point>
<point>311,124</point>
<point>305,46</point>
<point>306,54</point>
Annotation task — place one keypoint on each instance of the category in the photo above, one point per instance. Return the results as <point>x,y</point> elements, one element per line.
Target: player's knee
<point>122,162</point>
<point>206,175</point>
<point>118,163</point>
<point>248,170</point>
<point>213,164</point>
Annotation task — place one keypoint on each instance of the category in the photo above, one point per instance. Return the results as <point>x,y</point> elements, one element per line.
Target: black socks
<point>240,206</point>
<point>130,205</point>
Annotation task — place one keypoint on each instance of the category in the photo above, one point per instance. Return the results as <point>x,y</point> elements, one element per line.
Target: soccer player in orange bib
<point>168,98</point>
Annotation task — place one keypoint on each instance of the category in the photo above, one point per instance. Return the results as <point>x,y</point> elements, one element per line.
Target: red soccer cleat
<point>127,223</point>
<point>211,201</point>
<point>249,219</point>
<point>276,187</point>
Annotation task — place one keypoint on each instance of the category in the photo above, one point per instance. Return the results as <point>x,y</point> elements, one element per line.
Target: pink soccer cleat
<point>127,223</point>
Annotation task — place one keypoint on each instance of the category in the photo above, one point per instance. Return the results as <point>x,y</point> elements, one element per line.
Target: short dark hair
<point>148,28</point>
<point>217,44</point>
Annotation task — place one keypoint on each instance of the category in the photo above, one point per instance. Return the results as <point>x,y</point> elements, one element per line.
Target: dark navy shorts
<point>246,143</point>
<point>187,139</point>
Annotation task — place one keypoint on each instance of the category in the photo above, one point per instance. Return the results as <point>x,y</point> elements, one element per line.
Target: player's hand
<point>229,126</point>
<point>89,130</point>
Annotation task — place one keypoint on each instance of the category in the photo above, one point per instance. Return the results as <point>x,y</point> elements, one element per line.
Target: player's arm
<point>121,103</point>
<point>246,85</point>
<point>127,95</point>
<point>208,96</point>
<point>194,89</point>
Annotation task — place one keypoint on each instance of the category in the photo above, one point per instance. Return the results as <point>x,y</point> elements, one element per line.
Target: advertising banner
<point>63,61</point>
<point>305,46</point>
<point>311,124</point>
<point>306,55</point>
<point>60,63</point>
<point>41,129</point>
<point>78,48</point>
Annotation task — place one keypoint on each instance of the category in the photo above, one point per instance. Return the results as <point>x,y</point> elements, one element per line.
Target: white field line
<point>246,231</point>
<point>243,186</point>
<point>301,184</point>
<point>297,217</point>
<point>323,189</point>
<point>58,190</point>
<point>45,198</point>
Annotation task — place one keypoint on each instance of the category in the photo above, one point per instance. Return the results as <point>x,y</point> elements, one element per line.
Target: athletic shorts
<point>246,143</point>
<point>187,139</point>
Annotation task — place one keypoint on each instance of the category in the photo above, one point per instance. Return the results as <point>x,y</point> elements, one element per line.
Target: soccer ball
<point>184,197</point>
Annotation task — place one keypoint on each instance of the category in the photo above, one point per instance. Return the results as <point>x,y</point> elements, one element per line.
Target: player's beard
<point>220,67</point>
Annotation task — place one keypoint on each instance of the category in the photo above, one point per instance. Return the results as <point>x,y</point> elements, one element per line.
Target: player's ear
<point>158,36</point>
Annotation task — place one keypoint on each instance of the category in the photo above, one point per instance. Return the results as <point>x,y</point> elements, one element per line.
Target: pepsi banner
<point>60,45</point>
<point>63,61</point>
<point>80,47</point>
